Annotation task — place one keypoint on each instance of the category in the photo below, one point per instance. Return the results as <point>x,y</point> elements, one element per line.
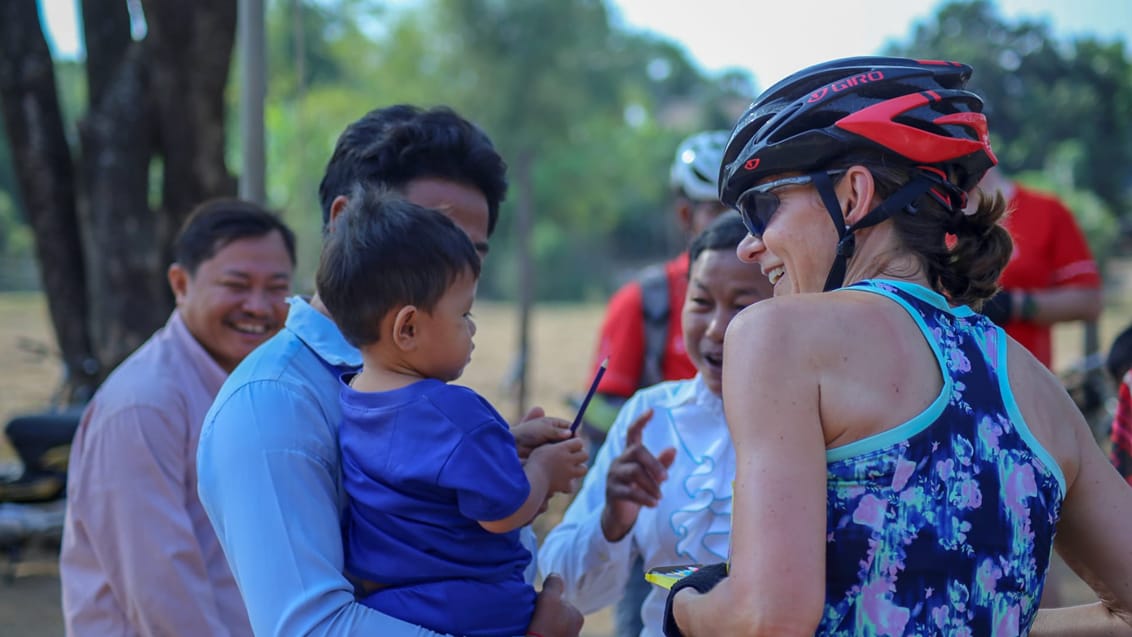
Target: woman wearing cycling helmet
<point>918,462</point>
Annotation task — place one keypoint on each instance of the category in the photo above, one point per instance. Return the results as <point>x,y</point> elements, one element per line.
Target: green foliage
<point>16,240</point>
<point>17,258</point>
<point>7,172</point>
<point>304,120</point>
<point>592,109</point>
<point>599,110</point>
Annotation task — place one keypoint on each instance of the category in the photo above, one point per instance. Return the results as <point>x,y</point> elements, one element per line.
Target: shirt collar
<point>211,373</point>
<point>320,334</point>
<point>695,392</point>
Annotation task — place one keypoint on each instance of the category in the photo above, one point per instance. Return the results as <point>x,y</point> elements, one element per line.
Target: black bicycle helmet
<point>915,110</point>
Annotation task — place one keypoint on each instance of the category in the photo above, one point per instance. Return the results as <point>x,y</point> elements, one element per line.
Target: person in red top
<point>1051,276</point>
<point>623,332</point>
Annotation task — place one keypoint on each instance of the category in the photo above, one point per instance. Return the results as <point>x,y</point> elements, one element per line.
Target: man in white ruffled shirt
<point>660,487</point>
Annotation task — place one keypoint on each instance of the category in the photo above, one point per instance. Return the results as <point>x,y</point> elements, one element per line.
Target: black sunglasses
<point>759,203</point>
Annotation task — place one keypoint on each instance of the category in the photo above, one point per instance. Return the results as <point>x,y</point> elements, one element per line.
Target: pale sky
<point>773,38</point>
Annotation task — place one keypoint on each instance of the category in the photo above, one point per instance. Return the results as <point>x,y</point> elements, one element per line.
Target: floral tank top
<point>944,524</point>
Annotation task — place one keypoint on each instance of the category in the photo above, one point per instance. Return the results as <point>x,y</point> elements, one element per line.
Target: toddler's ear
<point>405,328</point>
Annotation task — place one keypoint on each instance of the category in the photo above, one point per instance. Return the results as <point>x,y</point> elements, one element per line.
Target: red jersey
<point>623,335</point>
<point>1049,251</point>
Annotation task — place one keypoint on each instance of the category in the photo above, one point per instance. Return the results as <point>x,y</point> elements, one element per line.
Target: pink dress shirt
<point>139,555</point>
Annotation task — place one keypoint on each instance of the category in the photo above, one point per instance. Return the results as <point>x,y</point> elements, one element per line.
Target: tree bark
<point>102,246</point>
<point>158,98</point>
<point>46,177</point>
<point>192,46</point>
<point>129,297</point>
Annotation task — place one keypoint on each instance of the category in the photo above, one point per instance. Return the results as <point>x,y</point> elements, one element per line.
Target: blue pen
<point>589,395</point>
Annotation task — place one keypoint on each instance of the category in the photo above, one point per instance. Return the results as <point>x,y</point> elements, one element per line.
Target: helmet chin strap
<point>902,199</point>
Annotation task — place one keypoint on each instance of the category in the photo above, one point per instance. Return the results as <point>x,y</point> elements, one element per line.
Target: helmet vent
<point>823,119</point>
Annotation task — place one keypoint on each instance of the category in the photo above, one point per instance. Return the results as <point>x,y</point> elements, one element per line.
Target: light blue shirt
<point>270,481</point>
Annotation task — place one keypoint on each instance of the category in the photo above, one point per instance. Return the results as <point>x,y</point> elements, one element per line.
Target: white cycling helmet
<point>695,171</point>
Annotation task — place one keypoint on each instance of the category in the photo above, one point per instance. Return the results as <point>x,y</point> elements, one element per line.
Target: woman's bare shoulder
<point>810,322</point>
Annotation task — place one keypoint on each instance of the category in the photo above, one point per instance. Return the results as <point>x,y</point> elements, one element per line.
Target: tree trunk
<point>524,222</point>
<point>129,297</point>
<point>45,174</point>
<point>102,248</point>
<point>191,45</point>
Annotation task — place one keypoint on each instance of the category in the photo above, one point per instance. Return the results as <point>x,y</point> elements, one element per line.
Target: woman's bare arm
<point>1094,540</point>
<point>776,584</point>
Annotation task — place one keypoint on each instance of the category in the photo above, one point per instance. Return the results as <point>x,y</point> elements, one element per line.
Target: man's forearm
<point>1057,305</point>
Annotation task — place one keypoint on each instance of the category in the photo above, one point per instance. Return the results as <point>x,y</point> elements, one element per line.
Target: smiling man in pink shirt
<point>139,556</point>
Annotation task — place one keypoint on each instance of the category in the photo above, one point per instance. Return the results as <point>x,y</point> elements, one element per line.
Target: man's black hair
<point>390,147</point>
<point>723,233</point>
<point>218,222</point>
<point>385,252</point>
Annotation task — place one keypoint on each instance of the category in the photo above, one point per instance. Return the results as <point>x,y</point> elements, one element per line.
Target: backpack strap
<point>655,311</point>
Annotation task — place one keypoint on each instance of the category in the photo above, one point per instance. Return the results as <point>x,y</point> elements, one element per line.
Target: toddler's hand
<point>561,462</point>
<point>538,429</point>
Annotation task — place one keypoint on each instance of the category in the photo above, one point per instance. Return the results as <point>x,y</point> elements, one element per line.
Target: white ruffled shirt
<point>692,522</point>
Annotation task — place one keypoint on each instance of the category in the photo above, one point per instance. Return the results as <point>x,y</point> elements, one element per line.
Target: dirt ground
<point>563,340</point>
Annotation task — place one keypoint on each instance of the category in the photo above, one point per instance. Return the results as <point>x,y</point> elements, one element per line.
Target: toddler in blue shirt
<point>437,492</point>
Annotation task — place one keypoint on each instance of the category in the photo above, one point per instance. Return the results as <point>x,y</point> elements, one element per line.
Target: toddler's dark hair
<point>384,252</point>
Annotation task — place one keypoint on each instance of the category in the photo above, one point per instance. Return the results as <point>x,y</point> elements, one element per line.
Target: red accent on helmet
<point>878,123</point>
<point>938,62</point>
<point>751,164</point>
<point>976,122</point>
<point>936,171</point>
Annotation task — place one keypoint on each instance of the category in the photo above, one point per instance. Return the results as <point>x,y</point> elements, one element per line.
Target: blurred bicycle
<point>42,441</point>
<point>33,490</point>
